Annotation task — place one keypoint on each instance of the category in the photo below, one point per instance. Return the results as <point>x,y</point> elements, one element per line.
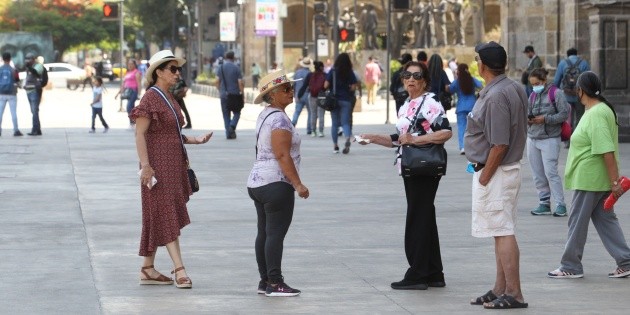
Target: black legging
<point>274,205</point>
<point>422,243</point>
<point>182,105</point>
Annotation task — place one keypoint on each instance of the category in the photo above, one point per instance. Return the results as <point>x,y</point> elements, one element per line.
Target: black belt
<point>478,166</point>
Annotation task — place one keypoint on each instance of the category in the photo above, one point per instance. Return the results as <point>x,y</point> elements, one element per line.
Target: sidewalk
<point>70,227</point>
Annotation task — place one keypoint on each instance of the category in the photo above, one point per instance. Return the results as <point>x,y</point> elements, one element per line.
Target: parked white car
<point>62,75</point>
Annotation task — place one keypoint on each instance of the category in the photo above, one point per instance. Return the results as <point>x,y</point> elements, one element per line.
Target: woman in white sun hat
<point>274,179</point>
<point>159,143</point>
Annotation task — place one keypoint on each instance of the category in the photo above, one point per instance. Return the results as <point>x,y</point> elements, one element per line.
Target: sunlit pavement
<point>70,227</point>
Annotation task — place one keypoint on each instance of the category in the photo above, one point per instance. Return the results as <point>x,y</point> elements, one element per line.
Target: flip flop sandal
<point>505,302</point>
<point>488,297</point>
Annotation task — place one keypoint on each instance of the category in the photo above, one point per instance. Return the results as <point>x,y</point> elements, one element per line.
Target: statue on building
<point>369,22</point>
<point>440,23</point>
<point>423,25</point>
<point>344,18</point>
<point>458,16</point>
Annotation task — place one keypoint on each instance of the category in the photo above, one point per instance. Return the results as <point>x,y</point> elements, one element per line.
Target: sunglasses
<point>406,75</point>
<point>174,69</point>
<point>286,88</point>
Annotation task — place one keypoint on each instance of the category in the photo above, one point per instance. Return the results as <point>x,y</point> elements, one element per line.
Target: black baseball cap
<point>492,55</point>
<point>528,48</point>
<point>6,56</point>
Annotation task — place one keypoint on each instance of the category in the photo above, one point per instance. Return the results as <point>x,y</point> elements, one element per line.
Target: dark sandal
<point>161,279</point>
<point>505,302</point>
<point>183,282</point>
<point>488,297</point>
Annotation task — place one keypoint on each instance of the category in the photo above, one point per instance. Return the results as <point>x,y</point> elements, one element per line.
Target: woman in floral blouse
<point>422,244</point>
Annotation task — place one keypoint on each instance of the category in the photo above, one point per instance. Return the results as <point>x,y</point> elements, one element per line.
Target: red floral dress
<point>164,211</point>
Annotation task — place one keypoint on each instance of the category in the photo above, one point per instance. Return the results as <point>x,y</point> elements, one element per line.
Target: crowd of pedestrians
<point>497,124</point>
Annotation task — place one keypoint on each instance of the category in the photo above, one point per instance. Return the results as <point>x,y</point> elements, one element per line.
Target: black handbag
<point>235,102</point>
<point>192,177</point>
<point>328,99</point>
<point>126,94</point>
<point>422,160</point>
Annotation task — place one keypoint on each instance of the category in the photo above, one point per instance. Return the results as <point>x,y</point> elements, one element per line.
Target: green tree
<point>69,22</point>
<point>160,19</point>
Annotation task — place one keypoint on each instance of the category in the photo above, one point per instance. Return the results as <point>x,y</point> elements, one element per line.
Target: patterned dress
<point>164,211</point>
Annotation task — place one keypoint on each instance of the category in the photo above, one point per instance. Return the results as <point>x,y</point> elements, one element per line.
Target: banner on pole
<point>227,26</point>
<point>267,17</point>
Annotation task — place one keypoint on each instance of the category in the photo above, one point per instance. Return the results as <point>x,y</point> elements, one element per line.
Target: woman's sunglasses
<point>286,88</point>
<point>174,69</point>
<point>407,75</point>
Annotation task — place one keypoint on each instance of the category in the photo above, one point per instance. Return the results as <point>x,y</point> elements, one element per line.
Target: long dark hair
<point>436,67</point>
<point>154,75</point>
<point>466,82</point>
<point>591,85</point>
<point>343,67</point>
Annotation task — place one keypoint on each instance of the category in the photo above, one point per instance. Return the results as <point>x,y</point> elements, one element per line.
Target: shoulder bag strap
<point>179,128</point>
<point>223,76</point>
<point>415,116</point>
<point>258,133</point>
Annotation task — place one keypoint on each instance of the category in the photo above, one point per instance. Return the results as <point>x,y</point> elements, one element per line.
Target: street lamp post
<point>189,69</point>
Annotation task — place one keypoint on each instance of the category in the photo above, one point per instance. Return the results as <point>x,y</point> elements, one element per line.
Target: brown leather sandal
<point>183,282</point>
<point>161,279</point>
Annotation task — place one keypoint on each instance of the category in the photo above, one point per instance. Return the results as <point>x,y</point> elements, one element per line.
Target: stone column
<point>609,46</point>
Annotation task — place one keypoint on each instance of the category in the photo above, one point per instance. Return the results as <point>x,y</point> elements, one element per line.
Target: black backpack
<point>570,76</point>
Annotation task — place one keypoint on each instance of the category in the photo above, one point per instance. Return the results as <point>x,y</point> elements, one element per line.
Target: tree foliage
<point>70,22</point>
<point>159,19</point>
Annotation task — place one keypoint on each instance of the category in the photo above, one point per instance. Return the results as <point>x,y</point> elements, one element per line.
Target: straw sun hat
<point>271,81</point>
<point>159,58</point>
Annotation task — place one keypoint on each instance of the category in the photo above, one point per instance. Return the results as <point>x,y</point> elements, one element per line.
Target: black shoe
<point>33,133</point>
<point>189,126</point>
<point>281,289</point>
<point>409,285</point>
<point>437,284</point>
<point>262,286</point>
<point>17,134</point>
<point>346,148</point>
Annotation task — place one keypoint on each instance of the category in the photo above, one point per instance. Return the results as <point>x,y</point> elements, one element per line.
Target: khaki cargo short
<point>494,206</point>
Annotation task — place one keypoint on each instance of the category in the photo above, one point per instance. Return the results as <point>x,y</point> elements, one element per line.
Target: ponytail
<point>602,99</point>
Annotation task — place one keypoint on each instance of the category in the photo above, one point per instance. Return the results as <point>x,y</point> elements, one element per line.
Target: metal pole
<point>336,28</point>
<point>199,39</point>
<point>305,51</point>
<point>389,45</point>
<point>121,32</point>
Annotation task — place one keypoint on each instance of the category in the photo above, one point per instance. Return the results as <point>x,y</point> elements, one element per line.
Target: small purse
<point>422,160</point>
<point>126,94</point>
<point>192,177</point>
<point>328,99</point>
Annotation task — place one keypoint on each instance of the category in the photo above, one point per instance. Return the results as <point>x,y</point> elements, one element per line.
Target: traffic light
<point>401,4</point>
<point>321,7</point>
<point>346,35</point>
<point>110,10</point>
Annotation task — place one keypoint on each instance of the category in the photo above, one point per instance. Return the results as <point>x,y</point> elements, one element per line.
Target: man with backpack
<point>314,83</point>
<point>33,85</point>
<point>8,91</point>
<point>566,79</point>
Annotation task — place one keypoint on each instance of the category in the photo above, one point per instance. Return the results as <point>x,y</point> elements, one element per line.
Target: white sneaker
<point>619,273</point>
<point>560,274</point>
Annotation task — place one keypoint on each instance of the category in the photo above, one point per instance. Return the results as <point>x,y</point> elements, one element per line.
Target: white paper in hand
<point>358,139</point>
<point>153,180</point>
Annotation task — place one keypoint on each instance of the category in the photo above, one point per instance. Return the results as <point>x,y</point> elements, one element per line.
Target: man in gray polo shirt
<point>229,81</point>
<point>494,142</point>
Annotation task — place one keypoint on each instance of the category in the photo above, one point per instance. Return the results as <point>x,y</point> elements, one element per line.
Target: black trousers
<point>422,243</point>
<point>182,105</point>
<point>98,112</point>
<point>274,205</point>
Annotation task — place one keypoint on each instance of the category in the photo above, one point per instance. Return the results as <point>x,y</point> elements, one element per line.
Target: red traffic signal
<point>346,35</point>
<point>110,10</point>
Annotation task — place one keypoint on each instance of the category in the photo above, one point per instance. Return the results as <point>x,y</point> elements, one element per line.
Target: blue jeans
<point>229,120</point>
<point>34,97</point>
<point>131,103</point>
<point>12,100</point>
<point>461,127</point>
<point>299,105</point>
<point>341,116</point>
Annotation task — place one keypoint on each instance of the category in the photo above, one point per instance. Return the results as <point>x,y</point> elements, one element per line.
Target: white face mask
<point>538,89</point>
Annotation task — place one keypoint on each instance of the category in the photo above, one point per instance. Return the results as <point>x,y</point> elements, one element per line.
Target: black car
<point>104,69</point>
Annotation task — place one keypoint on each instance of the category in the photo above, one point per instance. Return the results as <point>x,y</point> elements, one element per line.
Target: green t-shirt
<point>596,134</point>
